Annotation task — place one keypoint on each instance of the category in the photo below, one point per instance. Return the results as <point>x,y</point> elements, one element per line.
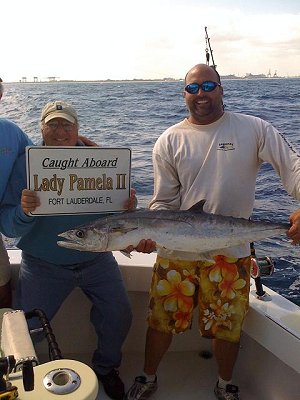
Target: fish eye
<point>80,234</point>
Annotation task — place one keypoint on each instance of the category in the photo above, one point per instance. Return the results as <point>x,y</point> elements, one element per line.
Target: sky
<point>146,39</point>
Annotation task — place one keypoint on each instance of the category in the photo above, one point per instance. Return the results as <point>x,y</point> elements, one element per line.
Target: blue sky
<point>117,39</point>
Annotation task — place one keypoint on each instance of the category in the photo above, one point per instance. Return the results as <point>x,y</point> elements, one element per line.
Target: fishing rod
<point>209,53</point>
<point>208,50</point>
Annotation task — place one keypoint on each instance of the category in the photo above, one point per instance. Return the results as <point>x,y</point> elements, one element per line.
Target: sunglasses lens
<point>192,88</point>
<point>208,86</point>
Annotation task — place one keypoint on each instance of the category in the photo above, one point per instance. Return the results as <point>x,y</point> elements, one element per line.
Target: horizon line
<point>167,79</point>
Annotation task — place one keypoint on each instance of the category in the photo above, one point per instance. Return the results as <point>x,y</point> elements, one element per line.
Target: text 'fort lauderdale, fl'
<point>79,179</point>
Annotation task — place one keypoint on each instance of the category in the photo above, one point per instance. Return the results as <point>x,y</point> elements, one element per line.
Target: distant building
<point>53,78</point>
<point>230,76</point>
<point>258,76</point>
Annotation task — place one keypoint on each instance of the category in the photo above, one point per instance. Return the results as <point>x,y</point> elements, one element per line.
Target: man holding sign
<point>49,273</point>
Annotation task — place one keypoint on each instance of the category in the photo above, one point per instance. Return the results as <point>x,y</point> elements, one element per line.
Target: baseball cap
<point>59,109</point>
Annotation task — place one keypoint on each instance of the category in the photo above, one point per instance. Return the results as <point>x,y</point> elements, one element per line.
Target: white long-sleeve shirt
<point>219,162</point>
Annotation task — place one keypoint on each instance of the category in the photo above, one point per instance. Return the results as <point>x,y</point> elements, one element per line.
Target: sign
<point>78,180</point>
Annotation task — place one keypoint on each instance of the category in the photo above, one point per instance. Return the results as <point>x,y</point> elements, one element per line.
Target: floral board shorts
<point>220,289</point>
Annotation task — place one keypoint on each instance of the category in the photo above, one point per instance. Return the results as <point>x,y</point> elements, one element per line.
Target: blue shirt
<point>12,144</point>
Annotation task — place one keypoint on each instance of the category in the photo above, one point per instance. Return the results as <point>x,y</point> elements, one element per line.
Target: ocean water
<point>134,114</point>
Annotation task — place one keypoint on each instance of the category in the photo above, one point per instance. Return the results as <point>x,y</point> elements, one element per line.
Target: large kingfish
<point>192,231</point>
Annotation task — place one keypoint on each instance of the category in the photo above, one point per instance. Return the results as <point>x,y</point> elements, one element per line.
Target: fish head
<point>85,238</point>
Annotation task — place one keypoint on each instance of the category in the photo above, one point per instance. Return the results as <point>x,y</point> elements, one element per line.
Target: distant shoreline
<point>224,77</point>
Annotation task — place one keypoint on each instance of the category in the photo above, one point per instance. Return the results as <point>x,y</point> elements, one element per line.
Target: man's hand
<point>145,246</point>
<point>87,141</point>
<point>131,203</point>
<point>29,201</point>
<point>294,231</point>
<point>5,296</point>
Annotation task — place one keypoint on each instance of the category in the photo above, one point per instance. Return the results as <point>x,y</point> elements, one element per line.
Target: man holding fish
<point>213,155</point>
<point>210,160</point>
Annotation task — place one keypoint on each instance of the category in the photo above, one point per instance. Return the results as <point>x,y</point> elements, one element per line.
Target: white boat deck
<point>268,367</point>
<point>186,376</point>
<point>182,376</point>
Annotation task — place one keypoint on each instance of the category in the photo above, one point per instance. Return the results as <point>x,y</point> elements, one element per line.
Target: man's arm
<point>12,146</point>
<point>275,149</point>
<point>294,231</point>
<point>14,222</point>
<point>166,185</point>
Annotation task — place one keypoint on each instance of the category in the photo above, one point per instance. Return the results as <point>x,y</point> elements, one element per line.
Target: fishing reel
<point>7,390</point>
<point>262,266</point>
<point>8,365</point>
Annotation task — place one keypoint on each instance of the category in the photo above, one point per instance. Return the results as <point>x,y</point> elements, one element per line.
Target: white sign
<point>78,180</point>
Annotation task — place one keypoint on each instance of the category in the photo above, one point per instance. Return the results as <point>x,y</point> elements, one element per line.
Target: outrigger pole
<point>208,50</point>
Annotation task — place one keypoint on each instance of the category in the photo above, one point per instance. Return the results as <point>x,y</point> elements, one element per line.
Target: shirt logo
<point>226,146</point>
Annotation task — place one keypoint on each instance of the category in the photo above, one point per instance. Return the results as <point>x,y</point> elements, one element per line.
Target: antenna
<point>208,50</point>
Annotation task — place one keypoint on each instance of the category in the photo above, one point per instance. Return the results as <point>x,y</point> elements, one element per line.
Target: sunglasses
<point>207,86</point>
<point>66,125</point>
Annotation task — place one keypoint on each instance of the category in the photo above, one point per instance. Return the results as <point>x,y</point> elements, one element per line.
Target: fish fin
<point>198,206</point>
<point>122,230</point>
<point>125,253</point>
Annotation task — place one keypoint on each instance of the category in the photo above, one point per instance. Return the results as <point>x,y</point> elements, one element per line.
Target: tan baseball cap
<point>59,109</point>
